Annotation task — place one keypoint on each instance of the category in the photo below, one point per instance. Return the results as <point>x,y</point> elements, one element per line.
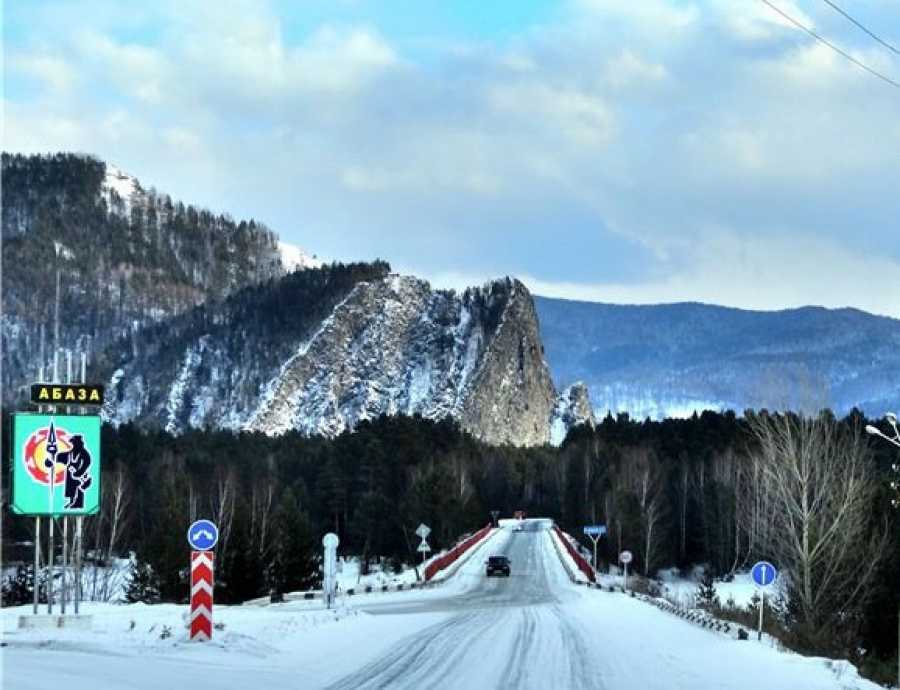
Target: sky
<point>639,152</point>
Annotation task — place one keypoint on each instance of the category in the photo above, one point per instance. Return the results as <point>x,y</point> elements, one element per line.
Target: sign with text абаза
<point>69,447</point>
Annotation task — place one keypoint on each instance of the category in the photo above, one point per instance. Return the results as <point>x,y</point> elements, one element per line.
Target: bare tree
<point>824,535</point>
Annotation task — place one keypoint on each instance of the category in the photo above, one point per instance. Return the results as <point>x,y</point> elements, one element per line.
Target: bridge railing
<point>580,560</point>
<point>440,563</point>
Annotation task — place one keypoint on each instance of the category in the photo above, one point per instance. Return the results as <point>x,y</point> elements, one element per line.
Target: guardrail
<point>442,562</point>
<point>580,560</point>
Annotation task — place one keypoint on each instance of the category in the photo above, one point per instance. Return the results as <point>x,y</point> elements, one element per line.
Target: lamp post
<point>895,439</point>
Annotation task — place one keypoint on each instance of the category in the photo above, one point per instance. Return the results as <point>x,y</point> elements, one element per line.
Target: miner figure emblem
<point>77,461</point>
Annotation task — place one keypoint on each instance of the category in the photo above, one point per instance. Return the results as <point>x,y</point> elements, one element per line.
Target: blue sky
<point>628,152</point>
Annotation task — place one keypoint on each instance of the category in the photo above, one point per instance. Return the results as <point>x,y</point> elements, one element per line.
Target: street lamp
<point>895,439</point>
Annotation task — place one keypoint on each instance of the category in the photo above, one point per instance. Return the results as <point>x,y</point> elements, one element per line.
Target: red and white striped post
<point>201,595</point>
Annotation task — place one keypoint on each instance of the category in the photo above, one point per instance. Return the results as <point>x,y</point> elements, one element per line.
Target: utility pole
<point>895,440</point>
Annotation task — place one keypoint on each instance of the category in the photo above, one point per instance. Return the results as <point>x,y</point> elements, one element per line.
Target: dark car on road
<point>498,565</point>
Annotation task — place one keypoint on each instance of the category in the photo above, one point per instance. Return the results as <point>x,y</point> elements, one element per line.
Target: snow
<point>124,186</point>
<point>682,589</point>
<point>294,258</point>
<point>534,629</point>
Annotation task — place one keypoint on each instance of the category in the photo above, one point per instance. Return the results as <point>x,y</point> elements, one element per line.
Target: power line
<point>847,16</point>
<point>832,46</point>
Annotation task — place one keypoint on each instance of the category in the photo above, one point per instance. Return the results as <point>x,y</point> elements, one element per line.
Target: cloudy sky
<point>648,151</point>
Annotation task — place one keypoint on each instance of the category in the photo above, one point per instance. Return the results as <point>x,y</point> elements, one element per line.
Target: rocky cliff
<point>389,345</point>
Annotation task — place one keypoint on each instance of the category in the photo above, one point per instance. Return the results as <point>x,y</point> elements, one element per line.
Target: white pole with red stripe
<point>201,595</point>
<point>202,536</point>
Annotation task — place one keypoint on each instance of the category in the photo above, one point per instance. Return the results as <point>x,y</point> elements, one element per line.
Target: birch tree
<point>824,534</point>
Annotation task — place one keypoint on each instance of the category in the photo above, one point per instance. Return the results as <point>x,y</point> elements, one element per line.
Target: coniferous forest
<point>676,493</point>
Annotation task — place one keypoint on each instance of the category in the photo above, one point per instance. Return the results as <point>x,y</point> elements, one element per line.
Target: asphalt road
<point>501,633</point>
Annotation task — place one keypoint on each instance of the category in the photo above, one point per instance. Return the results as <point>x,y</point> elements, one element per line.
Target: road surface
<point>519,617</point>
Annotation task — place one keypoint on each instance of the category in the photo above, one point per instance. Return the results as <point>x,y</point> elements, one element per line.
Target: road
<point>534,630</point>
<point>519,620</point>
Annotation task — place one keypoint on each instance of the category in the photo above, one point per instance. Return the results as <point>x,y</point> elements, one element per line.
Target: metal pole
<point>37,518</point>
<point>78,524</point>
<point>50,533</point>
<point>65,546</point>
<point>626,577</point>
<point>595,551</point>
<point>79,520</point>
<point>762,605</point>
<point>37,559</point>
<point>62,603</point>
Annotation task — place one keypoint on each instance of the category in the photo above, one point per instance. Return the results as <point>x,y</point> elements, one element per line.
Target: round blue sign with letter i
<point>763,574</point>
<point>203,535</point>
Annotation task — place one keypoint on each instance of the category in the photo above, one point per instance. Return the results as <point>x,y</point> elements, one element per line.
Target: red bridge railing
<point>438,564</point>
<point>580,560</point>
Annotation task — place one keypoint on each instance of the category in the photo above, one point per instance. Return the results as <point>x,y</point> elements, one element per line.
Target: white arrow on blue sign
<point>202,535</point>
<point>763,573</point>
<point>595,530</point>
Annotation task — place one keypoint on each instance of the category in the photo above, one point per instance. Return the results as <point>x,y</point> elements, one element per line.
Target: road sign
<point>201,595</point>
<point>625,557</point>
<point>763,574</point>
<point>203,535</point>
<point>66,394</point>
<point>423,531</point>
<point>70,444</point>
<point>595,530</point>
<point>424,548</point>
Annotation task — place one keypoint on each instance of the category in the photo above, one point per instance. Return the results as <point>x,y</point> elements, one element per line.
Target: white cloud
<point>56,72</point>
<point>698,132</point>
<point>769,271</point>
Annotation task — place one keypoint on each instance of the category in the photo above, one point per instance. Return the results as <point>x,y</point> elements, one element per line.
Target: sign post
<point>595,532</point>
<point>329,581</point>
<point>56,464</point>
<point>494,515</point>
<point>763,574</point>
<point>625,558</point>
<point>202,537</point>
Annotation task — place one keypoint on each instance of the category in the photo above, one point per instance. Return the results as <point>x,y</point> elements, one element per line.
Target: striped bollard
<point>201,595</point>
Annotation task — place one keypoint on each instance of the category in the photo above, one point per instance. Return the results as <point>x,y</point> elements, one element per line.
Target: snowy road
<point>517,622</point>
<point>532,630</point>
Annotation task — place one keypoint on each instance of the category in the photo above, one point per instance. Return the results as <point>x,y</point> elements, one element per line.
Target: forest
<point>706,489</point>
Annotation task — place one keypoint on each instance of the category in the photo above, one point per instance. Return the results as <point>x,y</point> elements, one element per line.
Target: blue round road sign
<point>203,535</point>
<point>764,573</point>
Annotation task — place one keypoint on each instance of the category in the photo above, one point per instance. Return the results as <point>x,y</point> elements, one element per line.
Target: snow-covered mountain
<point>129,256</point>
<point>294,258</point>
<point>390,345</point>
<point>672,360</point>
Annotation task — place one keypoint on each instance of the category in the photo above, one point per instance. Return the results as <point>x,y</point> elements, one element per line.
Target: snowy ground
<point>682,589</point>
<point>532,630</point>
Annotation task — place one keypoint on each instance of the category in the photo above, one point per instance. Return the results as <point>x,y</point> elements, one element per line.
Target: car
<point>498,565</point>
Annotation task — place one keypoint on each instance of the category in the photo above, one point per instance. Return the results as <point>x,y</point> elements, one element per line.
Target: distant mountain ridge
<point>674,359</point>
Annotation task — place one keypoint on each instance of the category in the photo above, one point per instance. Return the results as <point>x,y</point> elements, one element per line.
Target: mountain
<point>672,360</point>
<point>127,257</point>
<point>321,350</point>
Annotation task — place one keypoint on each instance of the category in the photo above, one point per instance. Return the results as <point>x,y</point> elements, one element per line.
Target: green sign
<point>69,444</point>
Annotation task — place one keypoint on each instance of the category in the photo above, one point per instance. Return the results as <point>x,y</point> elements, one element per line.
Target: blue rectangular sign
<point>595,530</point>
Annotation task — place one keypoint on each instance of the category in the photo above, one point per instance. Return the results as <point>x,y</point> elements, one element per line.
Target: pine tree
<point>18,589</point>
<point>143,585</point>
<point>707,597</point>
<point>295,561</point>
